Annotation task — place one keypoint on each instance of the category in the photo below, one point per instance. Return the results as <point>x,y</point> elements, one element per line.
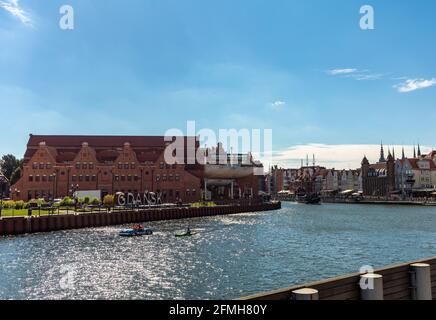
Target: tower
<point>382,154</point>
<point>403,156</point>
<point>419,150</point>
<point>414,152</point>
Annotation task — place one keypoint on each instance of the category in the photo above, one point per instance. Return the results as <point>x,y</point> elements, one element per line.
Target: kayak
<point>136,232</point>
<point>184,234</point>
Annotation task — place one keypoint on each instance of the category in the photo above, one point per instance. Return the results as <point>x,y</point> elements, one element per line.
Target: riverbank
<point>25,225</point>
<point>381,202</point>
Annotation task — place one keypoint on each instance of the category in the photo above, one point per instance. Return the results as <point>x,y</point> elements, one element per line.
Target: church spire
<point>393,152</point>
<point>382,154</point>
<point>403,156</point>
<point>414,151</point>
<point>419,150</point>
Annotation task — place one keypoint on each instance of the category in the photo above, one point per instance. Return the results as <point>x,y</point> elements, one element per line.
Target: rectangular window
<point>126,166</point>
<point>85,166</point>
<point>78,165</point>
<point>161,165</point>
<point>30,178</point>
<point>94,178</point>
<point>74,178</point>
<point>80,178</point>
<point>164,177</point>
<point>48,166</point>
<point>44,178</point>
<point>35,165</point>
<point>132,166</point>
<point>123,178</point>
<point>177,177</point>
<point>129,178</point>
<point>37,178</point>
<point>87,178</point>
<point>136,178</point>
<point>41,166</point>
<point>91,166</point>
<point>120,165</point>
<point>117,178</point>
<point>157,177</point>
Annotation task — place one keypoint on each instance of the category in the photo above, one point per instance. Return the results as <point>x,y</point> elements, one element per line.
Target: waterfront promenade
<point>46,223</point>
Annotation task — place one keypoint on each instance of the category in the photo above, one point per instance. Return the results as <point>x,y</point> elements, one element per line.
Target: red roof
<point>104,145</point>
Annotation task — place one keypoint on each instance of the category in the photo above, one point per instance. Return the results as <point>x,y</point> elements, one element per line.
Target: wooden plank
<point>343,296</point>
<point>396,283</point>
<point>398,296</point>
<point>396,289</point>
<point>349,288</point>
<point>396,276</point>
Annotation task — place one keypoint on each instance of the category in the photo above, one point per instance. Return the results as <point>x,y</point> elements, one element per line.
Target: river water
<point>229,257</point>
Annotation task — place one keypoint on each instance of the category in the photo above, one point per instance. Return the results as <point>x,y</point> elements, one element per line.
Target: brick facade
<point>54,166</point>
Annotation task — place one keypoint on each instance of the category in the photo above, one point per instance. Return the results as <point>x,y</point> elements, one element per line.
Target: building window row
<point>42,165</point>
<point>169,177</point>
<point>164,165</point>
<point>84,165</point>
<point>128,178</point>
<point>86,178</point>
<point>126,165</point>
<point>42,178</point>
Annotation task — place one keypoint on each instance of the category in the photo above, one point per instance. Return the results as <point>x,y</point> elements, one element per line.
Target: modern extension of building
<point>57,166</point>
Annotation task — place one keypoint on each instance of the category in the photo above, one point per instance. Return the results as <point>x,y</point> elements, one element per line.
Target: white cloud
<point>356,74</point>
<point>336,72</point>
<point>13,7</point>
<point>343,156</point>
<point>277,105</point>
<point>415,84</point>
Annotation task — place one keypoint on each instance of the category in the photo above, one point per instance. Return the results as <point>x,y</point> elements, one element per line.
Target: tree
<point>8,164</point>
<point>16,175</point>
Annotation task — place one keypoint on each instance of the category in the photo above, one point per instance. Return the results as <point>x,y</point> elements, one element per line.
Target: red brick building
<point>57,166</point>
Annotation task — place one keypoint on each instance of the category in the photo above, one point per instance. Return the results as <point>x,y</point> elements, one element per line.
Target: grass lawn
<point>35,212</point>
<point>24,212</point>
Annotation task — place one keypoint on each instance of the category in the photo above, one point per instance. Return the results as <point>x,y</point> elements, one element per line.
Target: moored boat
<point>309,199</point>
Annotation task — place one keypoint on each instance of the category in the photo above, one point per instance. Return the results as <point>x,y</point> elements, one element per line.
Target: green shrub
<point>9,204</point>
<point>95,201</point>
<point>67,202</point>
<point>86,200</point>
<point>19,205</point>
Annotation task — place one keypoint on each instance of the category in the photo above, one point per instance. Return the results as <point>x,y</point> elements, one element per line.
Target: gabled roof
<point>3,178</point>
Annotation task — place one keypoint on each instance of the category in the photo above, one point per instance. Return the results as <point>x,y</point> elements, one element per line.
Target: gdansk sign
<point>130,199</point>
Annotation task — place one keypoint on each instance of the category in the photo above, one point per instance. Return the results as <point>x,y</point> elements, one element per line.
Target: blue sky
<point>302,68</point>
